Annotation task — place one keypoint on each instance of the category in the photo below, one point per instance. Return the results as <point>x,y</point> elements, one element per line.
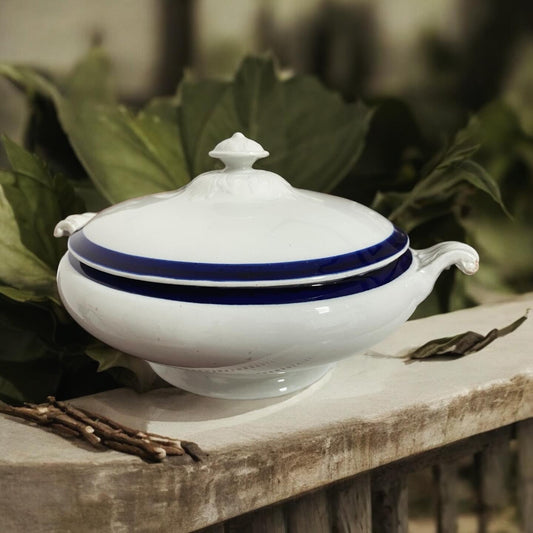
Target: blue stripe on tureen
<point>97,255</point>
<point>251,296</point>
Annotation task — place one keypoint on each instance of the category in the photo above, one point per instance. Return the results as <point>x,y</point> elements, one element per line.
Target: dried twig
<point>101,432</point>
<point>167,441</point>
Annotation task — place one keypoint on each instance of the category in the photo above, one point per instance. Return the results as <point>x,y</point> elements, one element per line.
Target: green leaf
<point>314,137</point>
<point>442,183</point>
<point>32,201</point>
<point>35,340</point>
<point>505,245</point>
<point>125,369</point>
<point>260,102</point>
<point>43,322</point>
<point>23,329</point>
<point>475,174</point>
<point>29,81</point>
<point>464,145</point>
<point>414,215</point>
<point>500,134</point>
<point>89,195</point>
<point>126,155</point>
<point>29,366</point>
<point>392,153</point>
<point>203,122</point>
<point>20,295</point>
<point>38,200</point>
<point>325,136</point>
<point>90,80</point>
<point>20,268</point>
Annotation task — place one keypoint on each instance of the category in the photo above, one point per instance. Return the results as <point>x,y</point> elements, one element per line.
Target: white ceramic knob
<point>238,152</point>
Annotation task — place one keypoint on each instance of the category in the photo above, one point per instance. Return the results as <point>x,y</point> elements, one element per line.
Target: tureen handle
<point>71,224</point>
<point>430,262</point>
<point>435,259</point>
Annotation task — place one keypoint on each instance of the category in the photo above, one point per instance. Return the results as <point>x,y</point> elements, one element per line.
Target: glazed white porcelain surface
<point>280,336</point>
<point>180,226</point>
<point>221,341</point>
<point>237,215</point>
<point>302,225</point>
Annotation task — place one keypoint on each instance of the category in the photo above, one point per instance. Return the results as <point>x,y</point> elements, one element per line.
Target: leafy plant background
<point>85,150</point>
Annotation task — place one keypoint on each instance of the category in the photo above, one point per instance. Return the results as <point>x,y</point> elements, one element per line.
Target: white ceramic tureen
<point>241,286</point>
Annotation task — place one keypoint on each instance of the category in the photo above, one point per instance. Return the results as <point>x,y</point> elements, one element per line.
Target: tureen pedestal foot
<point>234,386</point>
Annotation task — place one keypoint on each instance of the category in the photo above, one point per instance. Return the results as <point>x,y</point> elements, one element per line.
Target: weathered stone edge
<point>135,496</point>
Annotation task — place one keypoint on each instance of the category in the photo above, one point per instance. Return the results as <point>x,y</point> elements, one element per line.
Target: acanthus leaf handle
<point>441,256</point>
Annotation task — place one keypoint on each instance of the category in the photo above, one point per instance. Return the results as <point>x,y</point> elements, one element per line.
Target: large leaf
<point>392,155</point>
<point>21,269</point>
<point>90,80</point>
<point>45,137</point>
<point>314,137</point>
<point>325,136</point>
<point>505,245</point>
<point>126,154</point>
<point>38,323</point>
<point>25,331</point>
<point>501,137</point>
<point>28,367</point>
<point>38,200</point>
<point>202,120</point>
<point>263,107</point>
<point>35,342</point>
<point>442,182</point>
<point>29,81</point>
<point>125,369</point>
<point>21,295</point>
<point>43,134</point>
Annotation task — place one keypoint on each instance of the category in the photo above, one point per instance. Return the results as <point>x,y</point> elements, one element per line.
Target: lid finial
<point>238,152</point>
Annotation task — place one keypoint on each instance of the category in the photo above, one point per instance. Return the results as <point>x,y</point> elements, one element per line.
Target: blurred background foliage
<point>444,146</point>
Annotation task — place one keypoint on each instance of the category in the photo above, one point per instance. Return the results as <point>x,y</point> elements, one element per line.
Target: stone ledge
<point>371,410</point>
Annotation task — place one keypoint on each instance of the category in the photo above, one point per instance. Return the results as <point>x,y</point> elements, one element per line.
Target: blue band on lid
<point>250,296</point>
<point>95,254</point>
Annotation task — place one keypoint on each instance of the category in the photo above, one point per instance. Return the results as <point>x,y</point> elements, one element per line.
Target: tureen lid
<point>238,226</point>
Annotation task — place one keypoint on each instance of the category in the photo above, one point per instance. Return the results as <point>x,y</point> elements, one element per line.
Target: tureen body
<point>241,286</point>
